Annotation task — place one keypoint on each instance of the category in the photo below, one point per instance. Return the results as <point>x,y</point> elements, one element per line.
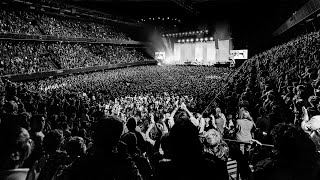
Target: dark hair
<point>243,104</point>
<point>130,140</point>
<point>107,132</point>
<point>35,122</point>
<point>131,124</point>
<point>262,111</point>
<point>184,141</point>
<point>165,143</point>
<point>75,146</point>
<point>12,141</point>
<point>293,145</point>
<point>53,140</point>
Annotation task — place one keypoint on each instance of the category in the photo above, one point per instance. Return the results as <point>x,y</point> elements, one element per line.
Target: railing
<point>239,142</point>
<point>233,166</point>
<point>34,37</point>
<point>42,75</point>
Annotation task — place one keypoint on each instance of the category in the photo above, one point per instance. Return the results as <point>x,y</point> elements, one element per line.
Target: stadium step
<point>232,169</point>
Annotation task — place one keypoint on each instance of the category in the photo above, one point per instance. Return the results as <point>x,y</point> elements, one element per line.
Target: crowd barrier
<point>43,75</point>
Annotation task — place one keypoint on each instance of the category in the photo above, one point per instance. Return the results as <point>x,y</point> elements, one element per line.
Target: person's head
<point>165,144</point>
<point>313,101</point>
<point>24,119</point>
<point>130,140</point>
<point>11,107</point>
<point>218,110</point>
<point>243,104</point>
<point>198,115</point>
<point>212,138</point>
<point>262,112</point>
<point>76,146</point>
<point>16,146</point>
<point>64,126</point>
<point>185,141</point>
<point>292,144</point>
<point>37,122</point>
<point>181,115</point>
<point>53,141</point>
<point>107,133</point>
<point>167,115</point>
<point>246,115</point>
<point>131,124</point>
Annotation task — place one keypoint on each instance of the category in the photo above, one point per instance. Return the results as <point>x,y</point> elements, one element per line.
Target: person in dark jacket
<point>187,160</point>
<point>109,158</point>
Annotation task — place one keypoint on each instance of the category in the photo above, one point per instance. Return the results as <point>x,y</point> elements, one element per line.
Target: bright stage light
<point>206,39</point>
<point>197,39</point>
<point>192,40</point>
<point>201,39</point>
<point>207,31</point>
<point>211,38</point>
<point>183,40</point>
<point>187,40</point>
<point>179,40</point>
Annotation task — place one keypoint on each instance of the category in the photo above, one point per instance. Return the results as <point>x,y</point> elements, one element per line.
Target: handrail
<point>222,89</point>
<point>241,142</point>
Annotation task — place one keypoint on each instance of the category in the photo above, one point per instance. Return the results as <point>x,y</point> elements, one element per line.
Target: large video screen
<point>159,55</point>
<point>239,54</point>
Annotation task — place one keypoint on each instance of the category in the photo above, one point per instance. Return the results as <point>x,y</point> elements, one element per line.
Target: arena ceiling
<point>250,19</point>
<point>137,9</point>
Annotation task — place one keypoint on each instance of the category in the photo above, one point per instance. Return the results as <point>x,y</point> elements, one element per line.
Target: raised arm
<point>175,110</point>
<point>151,125</point>
<point>192,118</point>
<point>305,119</point>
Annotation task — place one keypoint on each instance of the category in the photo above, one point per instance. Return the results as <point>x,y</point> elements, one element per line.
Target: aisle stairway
<point>232,169</point>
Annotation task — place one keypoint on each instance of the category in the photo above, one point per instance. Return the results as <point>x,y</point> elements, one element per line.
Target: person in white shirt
<point>311,127</point>
<point>220,120</point>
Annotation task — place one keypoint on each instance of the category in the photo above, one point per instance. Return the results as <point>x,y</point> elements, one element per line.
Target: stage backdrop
<point>205,53</point>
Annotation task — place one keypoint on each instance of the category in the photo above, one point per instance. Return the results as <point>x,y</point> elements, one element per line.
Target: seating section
<point>23,57</point>
<point>27,22</point>
<point>273,78</point>
<point>19,57</point>
<point>30,57</point>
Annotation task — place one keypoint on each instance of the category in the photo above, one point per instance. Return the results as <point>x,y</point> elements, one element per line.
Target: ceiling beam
<point>185,5</point>
<point>303,13</point>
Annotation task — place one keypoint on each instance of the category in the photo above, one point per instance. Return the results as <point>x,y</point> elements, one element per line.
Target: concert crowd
<point>156,122</point>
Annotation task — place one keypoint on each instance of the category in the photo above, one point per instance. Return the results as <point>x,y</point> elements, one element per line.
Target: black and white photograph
<point>159,89</point>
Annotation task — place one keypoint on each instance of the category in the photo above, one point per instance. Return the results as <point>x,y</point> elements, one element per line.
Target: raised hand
<point>183,106</point>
